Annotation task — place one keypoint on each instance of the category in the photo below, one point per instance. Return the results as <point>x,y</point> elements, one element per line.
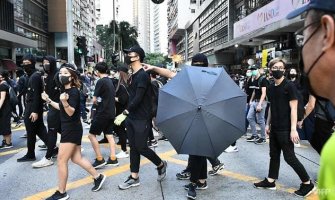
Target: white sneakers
<point>44,162</point>
<point>231,149</point>
<point>122,154</point>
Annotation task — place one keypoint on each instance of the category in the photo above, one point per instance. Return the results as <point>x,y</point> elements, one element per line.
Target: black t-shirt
<point>249,89</point>
<point>123,96</point>
<point>279,98</point>
<point>259,83</point>
<point>105,93</point>
<point>140,108</point>
<point>71,123</point>
<point>6,107</point>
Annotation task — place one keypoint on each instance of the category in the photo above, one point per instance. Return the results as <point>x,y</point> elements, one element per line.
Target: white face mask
<point>117,75</point>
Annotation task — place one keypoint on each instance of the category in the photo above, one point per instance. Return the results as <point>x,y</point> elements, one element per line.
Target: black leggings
<point>198,165</point>
<point>121,132</point>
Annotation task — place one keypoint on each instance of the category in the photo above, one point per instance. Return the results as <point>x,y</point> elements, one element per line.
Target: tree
<point>125,37</point>
<point>156,59</point>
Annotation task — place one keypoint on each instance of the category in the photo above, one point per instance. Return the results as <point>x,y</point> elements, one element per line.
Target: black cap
<point>69,67</point>
<point>324,5</point>
<point>199,59</point>
<point>136,49</point>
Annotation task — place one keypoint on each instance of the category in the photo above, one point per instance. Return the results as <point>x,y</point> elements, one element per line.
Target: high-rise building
<point>141,19</point>
<point>83,23</point>
<point>159,29</point>
<point>23,28</point>
<point>179,13</point>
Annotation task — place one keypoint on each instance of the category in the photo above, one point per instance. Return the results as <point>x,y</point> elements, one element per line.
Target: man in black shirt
<point>103,120</point>
<point>258,105</point>
<point>139,118</point>
<point>52,88</point>
<point>282,119</point>
<point>33,116</point>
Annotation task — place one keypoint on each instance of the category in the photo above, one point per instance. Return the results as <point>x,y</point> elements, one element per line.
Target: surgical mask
<point>248,74</point>
<point>127,59</point>
<point>278,74</point>
<point>254,73</point>
<point>64,80</point>
<point>46,68</point>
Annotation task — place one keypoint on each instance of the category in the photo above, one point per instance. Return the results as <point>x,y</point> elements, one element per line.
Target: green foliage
<point>156,59</point>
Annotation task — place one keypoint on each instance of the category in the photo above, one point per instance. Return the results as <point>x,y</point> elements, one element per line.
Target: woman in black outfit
<point>5,111</point>
<point>121,103</point>
<point>71,133</point>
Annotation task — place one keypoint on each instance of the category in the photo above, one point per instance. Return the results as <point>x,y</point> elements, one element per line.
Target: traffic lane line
<point>246,178</point>
<point>11,151</point>
<point>89,180</point>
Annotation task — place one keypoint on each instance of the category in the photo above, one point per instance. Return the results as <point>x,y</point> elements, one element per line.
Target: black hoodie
<point>52,88</point>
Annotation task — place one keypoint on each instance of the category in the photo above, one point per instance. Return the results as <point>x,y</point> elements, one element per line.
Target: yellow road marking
<point>88,180</point>
<point>21,128</point>
<point>11,152</point>
<point>246,178</point>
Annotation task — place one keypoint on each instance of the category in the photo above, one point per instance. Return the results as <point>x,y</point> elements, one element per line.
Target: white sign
<point>268,14</point>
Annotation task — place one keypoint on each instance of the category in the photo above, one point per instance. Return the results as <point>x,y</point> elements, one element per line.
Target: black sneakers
<point>112,162</point>
<point>252,138</point>
<point>152,143</point>
<point>260,141</point>
<point>98,182</point>
<point>162,171</point>
<point>99,163</point>
<point>184,175</point>
<point>26,158</point>
<point>265,184</point>
<point>199,186</point>
<point>191,194</point>
<point>59,196</point>
<point>103,141</point>
<point>216,169</point>
<point>5,145</point>
<point>305,190</point>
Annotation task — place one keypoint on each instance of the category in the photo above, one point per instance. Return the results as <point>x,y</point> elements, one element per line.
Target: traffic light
<point>82,46</point>
<point>115,59</point>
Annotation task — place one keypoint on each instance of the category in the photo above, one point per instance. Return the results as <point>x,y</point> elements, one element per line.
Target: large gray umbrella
<point>201,111</point>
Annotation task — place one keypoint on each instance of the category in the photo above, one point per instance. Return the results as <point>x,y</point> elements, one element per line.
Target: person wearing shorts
<point>103,121</point>
<point>71,132</point>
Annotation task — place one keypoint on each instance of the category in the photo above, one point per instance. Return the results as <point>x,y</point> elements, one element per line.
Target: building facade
<point>23,28</point>
<point>141,20</point>
<point>159,31</point>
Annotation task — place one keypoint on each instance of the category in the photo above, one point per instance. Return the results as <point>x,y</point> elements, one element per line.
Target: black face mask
<point>64,80</point>
<point>278,74</point>
<point>127,59</point>
<point>46,68</point>
<point>29,69</point>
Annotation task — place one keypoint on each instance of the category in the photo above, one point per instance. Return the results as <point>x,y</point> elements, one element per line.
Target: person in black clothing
<point>283,129</point>
<point>52,89</point>
<point>21,90</point>
<point>196,169</point>
<point>138,114</point>
<point>72,131</point>
<point>5,111</point>
<point>104,99</point>
<point>33,116</point>
<point>121,103</point>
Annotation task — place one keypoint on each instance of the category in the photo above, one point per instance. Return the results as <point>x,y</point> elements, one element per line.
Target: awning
<point>8,64</point>
<point>18,41</point>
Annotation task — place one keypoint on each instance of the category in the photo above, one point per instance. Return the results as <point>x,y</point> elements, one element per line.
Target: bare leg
<point>83,163</point>
<point>95,145</point>
<point>64,154</point>
<point>111,142</point>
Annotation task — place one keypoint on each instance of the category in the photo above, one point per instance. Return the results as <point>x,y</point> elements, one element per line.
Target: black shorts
<point>74,136</point>
<point>102,125</point>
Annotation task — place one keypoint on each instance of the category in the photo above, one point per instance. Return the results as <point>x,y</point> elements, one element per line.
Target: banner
<point>268,14</point>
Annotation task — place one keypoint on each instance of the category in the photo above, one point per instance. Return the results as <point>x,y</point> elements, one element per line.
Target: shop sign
<point>270,13</point>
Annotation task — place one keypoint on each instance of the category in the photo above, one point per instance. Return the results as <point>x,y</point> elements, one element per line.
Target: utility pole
<point>114,26</point>
<point>69,28</point>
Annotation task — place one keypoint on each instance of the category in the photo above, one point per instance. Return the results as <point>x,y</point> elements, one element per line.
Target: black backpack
<point>329,110</point>
<point>12,96</point>
<point>301,105</point>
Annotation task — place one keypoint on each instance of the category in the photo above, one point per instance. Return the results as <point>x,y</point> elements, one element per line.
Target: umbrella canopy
<point>201,111</point>
<point>8,64</point>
